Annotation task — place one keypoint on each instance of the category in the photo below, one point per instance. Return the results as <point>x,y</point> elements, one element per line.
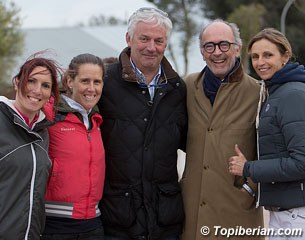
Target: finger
<point>238,152</point>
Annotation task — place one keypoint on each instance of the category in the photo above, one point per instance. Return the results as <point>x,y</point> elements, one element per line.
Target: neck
<point>29,118</point>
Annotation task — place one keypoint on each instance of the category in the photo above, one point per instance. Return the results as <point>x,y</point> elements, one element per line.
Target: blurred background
<point>70,27</point>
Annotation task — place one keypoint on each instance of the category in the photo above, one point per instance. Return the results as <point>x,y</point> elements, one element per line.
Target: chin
<point>265,77</point>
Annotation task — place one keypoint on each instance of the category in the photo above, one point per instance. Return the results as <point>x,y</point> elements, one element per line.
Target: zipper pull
<point>88,134</point>
<point>302,186</point>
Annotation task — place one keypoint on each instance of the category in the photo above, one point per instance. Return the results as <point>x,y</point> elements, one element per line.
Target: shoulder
<point>48,110</point>
<point>294,86</point>
<point>290,96</point>
<point>180,82</point>
<point>192,76</point>
<point>5,115</point>
<point>250,86</point>
<point>251,81</point>
<point>194,80</point>
<point>292,93</point>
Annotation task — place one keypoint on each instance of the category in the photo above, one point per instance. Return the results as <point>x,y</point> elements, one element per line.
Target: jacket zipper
<point>31,200</point>
<point>88,135</point>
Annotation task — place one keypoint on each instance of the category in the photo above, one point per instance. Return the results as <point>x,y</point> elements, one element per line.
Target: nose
<point>217,50</point>
<point>37,89</point>
<point>91,86</point>
<point>260,60</point>
<point>151,45</point>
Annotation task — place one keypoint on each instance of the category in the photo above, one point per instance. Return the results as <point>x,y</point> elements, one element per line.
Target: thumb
<point>238,152</point>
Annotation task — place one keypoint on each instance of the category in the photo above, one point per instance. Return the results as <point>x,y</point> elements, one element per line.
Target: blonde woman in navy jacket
<point>76,181</point>
<point>280,170</point>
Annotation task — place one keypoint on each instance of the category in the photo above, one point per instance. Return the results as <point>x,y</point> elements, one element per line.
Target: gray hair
<point>150,16</point>
<point>233,27</point>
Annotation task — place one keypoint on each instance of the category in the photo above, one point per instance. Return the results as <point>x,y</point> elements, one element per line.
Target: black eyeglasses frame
<point>220,45</point>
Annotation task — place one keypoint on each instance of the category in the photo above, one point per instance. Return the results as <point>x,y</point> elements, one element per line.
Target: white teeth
<point>219,61</point>
<point>34,99</point>
<point>89,97</point>
<point>263,69</point>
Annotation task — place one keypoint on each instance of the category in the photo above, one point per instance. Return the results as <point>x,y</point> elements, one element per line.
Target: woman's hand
<point>236,163</point>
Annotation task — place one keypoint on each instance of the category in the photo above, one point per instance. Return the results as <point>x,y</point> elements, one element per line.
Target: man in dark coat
<point>145,122</point>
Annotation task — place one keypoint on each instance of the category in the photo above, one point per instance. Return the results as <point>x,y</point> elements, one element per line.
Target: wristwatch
<point>248,189</point>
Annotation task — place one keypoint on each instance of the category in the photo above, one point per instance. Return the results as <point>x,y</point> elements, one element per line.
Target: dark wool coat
<point>142,197</point>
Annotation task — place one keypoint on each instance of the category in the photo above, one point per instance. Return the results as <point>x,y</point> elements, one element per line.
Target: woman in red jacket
<point>77,178</point>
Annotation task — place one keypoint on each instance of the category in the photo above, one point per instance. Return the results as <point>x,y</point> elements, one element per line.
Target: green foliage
<point>252,21</point>
<point>183,14</point>
<point>300,5</point>
<point>250,16</point>
<point>11,41</point>
<point>221,8</point>
<point>180,12</point>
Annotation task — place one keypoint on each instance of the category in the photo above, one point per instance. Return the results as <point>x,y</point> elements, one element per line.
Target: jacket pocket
<point>117,207</point>
<point>170,210</point>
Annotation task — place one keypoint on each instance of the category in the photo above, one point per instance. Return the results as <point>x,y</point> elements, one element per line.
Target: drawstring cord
<point>262,98</point>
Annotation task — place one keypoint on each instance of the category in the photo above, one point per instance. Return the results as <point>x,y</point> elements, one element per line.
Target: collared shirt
<point>78,107</point>
<point>141,79</point>
<point>27,120</point>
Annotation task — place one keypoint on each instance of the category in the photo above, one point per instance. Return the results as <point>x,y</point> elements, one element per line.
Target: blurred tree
<point>102,20</point>
<point>183,14</point>
<point>300,5</point>
<point>11,42</point>
<point>213,9</point>
<point>252,21</point>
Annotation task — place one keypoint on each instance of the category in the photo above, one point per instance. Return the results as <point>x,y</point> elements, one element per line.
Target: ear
<point>285,58</point>
<point>202,54</point>
<point>238,50</point>
<point>16,83</point>
<point>70,82</point>
<point>128,39</point>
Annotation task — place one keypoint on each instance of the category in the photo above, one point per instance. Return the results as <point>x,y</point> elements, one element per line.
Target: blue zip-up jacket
<point>281,171</point>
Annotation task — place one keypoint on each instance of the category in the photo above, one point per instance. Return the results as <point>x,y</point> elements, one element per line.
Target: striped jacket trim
<point>60,209</point>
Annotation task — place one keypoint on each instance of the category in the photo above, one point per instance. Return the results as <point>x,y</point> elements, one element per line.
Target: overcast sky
<point>67,13</point>
<point>58,13</point>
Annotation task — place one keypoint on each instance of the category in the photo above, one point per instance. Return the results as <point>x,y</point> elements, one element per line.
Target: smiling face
<point>220,63</point>
<point>266,58</point>
<point>147,46</point>
<point>87,85</point>
<point>36,94</point>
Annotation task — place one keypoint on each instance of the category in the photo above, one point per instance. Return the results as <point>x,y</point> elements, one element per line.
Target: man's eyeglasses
<point>149,9</point>
<point>210,47</point>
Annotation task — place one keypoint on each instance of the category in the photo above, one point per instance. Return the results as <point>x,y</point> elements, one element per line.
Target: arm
<point>290,164</point>
<point>236,167</point>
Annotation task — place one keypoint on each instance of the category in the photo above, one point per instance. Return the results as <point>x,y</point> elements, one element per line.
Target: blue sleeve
<point>291,119</point>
